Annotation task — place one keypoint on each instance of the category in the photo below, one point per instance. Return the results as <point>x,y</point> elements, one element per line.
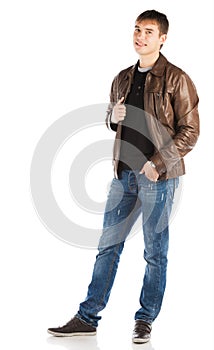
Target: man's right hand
<point>119,112</point>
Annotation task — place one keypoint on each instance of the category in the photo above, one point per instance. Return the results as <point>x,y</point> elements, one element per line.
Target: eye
<point>137,30</point>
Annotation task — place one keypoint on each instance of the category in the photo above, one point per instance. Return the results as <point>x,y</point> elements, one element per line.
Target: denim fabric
<point>131,195</point>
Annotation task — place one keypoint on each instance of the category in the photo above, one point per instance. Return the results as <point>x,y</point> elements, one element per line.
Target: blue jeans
<point>131,195</point>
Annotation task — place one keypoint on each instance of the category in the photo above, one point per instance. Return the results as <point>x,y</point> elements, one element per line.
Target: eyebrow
<point>152,30</point>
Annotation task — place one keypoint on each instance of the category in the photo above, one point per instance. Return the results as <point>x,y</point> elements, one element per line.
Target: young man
<point>156,128</point>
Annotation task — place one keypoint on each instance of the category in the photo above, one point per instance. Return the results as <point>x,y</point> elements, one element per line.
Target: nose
<point>141,35</point>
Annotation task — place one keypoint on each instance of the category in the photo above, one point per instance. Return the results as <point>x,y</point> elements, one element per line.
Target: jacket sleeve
<point>113,100</point>
<point>185,106</point>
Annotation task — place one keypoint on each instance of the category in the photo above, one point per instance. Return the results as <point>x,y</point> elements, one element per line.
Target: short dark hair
<point>158,17</point>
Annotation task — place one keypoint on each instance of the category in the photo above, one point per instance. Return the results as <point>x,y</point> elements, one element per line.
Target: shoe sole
<point>140,341</point>
<point>57,334</point>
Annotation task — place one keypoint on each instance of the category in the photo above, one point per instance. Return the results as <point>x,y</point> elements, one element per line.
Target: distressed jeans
<point>131,195</point>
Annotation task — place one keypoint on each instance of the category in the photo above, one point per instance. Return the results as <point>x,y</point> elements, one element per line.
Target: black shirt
<point>136,148</point>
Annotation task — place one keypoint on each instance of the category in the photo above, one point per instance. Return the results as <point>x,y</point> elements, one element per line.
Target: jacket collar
<point>158,68</point>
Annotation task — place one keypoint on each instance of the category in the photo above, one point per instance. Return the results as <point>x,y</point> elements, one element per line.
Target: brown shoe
<point>74,327</point>
<point>142,332</point>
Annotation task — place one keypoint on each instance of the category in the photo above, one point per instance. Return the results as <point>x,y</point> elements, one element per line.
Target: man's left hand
<point>150,172</point>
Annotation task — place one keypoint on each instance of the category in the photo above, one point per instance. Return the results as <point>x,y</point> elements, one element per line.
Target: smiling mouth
<point>140,44</point>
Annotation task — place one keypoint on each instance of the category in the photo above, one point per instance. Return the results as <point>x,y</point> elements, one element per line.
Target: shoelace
<point>142,327</point>
<point>73,320</point>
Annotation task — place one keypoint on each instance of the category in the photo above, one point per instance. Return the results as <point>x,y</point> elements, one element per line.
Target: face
<point>147,39</point>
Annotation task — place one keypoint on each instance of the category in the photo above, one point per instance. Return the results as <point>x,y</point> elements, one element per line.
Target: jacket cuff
<point>113,126</point>
<point>159,164</point>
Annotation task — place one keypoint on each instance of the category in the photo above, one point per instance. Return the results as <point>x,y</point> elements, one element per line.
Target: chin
<point>138,49</point>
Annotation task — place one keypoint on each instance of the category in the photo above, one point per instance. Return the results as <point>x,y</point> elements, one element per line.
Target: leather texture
<point>171,106</point>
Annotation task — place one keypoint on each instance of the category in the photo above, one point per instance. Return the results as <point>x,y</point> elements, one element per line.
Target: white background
<point>57,56</point>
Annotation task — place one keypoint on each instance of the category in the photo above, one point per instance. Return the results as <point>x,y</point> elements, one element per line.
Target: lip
<point>140,44</point>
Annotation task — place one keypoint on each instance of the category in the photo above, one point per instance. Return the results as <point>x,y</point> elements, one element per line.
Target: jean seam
<point>159,277</point>
<point>132,187</point>
<point>108,279</point>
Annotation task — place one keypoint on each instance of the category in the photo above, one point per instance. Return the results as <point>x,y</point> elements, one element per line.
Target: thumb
<point>142,171</point>
<point>120,101</point>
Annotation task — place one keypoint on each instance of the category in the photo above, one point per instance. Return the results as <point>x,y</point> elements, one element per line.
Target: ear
<point>163,38</point>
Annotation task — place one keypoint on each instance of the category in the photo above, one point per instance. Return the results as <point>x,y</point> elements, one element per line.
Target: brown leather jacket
<point>171,106</point>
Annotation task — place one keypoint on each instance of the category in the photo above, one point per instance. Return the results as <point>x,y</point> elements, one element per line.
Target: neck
<point>148,60</point>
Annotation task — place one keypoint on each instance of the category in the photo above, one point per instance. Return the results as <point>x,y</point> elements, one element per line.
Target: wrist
<point>113,119</point>
<point>152,164</point>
